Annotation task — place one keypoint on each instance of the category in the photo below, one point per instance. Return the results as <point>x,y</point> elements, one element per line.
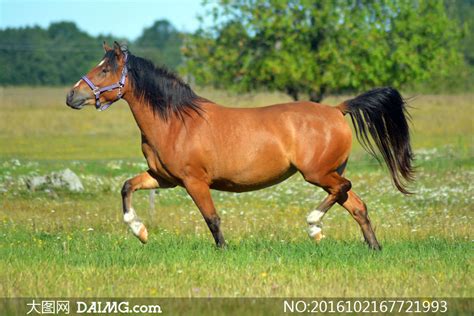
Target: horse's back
<point>291,123</point>
<point>281,113</point>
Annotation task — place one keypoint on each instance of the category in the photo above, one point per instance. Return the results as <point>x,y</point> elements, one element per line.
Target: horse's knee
<point>126,188</point>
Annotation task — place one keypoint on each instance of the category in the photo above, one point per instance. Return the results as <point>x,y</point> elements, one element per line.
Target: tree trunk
<point>293,93</point>
<point>316,95</point>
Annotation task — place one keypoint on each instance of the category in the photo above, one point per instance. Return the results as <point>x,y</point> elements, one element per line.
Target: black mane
<point>159,87</point>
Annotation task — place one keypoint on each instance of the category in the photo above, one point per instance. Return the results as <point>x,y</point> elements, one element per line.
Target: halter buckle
<point>96,91</point>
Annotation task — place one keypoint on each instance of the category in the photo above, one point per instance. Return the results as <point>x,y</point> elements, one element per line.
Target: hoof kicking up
<point>314,222</point>
<point>136,226</point>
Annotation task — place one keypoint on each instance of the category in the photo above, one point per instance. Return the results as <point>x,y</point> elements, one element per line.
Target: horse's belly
<point>243,183</point>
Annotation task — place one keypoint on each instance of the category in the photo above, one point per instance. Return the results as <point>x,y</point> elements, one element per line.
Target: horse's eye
<point>105,70</point>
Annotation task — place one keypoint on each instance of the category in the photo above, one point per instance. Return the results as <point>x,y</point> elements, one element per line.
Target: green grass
<point>58,243</point>
<point>98,264</point>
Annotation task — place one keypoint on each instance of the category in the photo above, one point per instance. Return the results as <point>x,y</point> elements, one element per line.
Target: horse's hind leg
<point>144,180</point>
<point>358,210</point>
<point>337,187</point>
<point>315,217</point>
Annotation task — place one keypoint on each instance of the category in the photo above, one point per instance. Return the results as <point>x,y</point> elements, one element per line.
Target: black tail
<point>382,112</point>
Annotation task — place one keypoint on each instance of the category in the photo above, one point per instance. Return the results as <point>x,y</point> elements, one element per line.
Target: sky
<point>120,18</point>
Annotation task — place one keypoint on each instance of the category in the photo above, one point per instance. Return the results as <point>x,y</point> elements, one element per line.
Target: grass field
<point>58,243</point>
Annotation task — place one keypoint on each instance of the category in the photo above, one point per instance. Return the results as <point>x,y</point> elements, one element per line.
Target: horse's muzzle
<point>76,100</point>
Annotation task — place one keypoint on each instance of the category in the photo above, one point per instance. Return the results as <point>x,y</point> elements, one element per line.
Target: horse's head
<point>103,84</point>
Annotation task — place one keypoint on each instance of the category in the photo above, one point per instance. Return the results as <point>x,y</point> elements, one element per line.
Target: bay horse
<point>194,143</point>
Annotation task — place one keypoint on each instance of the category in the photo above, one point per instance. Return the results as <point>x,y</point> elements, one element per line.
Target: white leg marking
<point>314,217</point>
<point>314,221</point>
<point>130,216</point>
<point>313,230</point>
<point>135,224</point>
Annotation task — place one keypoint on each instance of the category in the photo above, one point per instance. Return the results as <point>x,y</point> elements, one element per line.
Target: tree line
<point>304,48</point>
<point>61,53</point>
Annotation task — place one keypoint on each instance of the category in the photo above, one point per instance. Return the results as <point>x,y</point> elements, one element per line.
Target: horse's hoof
<point>143,234</point>
<point>318,237</point>
<point>139,230</point>
<point>222,246</point>
<point>375,247</point>
<point>315,233</point>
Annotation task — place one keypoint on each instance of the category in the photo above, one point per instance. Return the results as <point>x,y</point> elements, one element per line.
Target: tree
<point>318,47</point>
<point>161,43</point>
<point>463,11</point>
<point>60,54</point>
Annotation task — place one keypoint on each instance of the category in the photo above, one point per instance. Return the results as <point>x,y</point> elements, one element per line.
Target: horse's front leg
<point>201,195</point>
<point>145,180</point>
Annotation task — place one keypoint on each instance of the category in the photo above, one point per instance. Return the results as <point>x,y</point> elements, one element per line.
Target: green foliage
<point>57,55</point>
<point>459,77</point>
<point>463,12</point>
<point>61,54</point>
<point>302,46</point>
<point>293,46</point>
<point>160,43</point>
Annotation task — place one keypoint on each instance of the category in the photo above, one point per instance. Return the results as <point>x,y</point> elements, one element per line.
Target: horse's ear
<point>117,49</point>
<point>106,47</point>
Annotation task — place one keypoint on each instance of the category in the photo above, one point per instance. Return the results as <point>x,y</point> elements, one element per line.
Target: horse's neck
<point>152,126</point>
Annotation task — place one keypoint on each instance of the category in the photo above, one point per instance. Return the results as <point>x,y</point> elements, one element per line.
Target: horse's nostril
<point>69,97</point>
